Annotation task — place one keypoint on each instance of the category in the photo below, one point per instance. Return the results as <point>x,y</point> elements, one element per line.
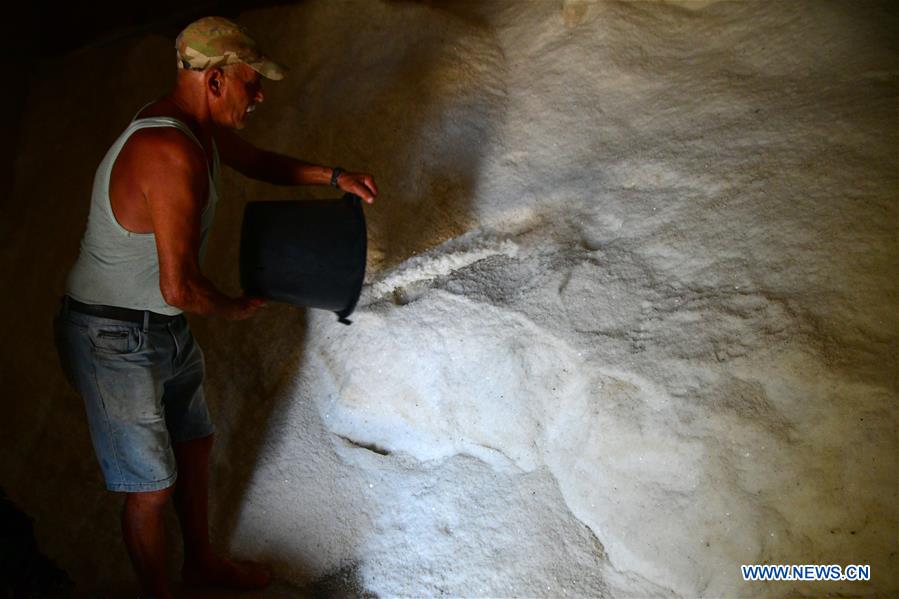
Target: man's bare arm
<point>176,187</point>
<point>279,169</point>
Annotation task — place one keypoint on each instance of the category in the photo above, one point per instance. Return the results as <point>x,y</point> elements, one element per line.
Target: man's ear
<point>216,80</point>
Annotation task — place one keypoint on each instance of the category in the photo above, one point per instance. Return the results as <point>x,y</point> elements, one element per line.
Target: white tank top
<point>116,267</point>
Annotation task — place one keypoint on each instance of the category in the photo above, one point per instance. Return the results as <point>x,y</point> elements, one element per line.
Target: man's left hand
<point>358,183</point>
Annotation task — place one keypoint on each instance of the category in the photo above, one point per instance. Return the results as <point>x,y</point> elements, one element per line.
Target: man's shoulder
<point>164,144</point>
<point>163,139</point>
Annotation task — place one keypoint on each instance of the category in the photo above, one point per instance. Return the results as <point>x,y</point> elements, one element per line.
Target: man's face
<point>242,91</point>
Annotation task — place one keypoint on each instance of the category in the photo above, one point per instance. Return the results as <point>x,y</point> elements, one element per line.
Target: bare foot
<point>225,573</point>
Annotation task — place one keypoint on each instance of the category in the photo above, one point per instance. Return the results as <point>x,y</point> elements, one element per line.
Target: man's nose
<point>259,95</point>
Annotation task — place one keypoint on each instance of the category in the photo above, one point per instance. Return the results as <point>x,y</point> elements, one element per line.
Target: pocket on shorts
<point>116,339</point>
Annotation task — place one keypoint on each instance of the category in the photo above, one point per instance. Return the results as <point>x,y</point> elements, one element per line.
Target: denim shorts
<point>142,390</point>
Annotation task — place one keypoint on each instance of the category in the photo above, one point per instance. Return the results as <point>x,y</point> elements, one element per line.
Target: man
<point>123,340</point>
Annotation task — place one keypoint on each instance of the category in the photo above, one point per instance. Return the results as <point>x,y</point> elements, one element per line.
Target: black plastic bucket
<point>307,252</point>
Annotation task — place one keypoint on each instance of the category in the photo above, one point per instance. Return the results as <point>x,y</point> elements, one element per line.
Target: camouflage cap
<point>216,41</point>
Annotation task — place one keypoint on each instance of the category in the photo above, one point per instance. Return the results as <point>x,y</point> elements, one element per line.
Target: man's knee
<point>148,500</point>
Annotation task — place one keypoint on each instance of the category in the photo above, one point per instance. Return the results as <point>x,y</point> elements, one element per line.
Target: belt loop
<point>65,304</point>
<point>146,320</point>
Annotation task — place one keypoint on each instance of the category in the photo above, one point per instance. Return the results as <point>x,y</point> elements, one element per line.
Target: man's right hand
<point>244,307</point>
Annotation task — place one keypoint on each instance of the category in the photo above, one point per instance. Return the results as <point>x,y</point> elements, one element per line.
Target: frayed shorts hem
<point>156,485</point>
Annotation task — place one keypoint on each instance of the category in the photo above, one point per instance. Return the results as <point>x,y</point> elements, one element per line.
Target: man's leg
<point>144,532</point>
<point>192,496</point>
<point>117,367</point>
<point>201,565</point>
